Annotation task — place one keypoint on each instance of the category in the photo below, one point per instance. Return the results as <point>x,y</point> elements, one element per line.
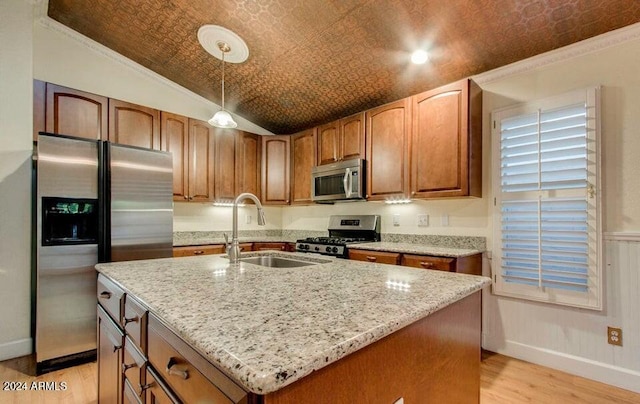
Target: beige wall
<point>192,216</point>
<point>575,339</point>
<point>15,176</point>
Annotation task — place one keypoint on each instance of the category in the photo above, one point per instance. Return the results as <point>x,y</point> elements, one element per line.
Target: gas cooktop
<point>343,230</point>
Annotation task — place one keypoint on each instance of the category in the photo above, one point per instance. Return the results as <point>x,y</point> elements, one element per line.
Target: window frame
<point>593,298</point>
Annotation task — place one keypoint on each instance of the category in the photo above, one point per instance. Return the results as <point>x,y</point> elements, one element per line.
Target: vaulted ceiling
<point>313,61</point>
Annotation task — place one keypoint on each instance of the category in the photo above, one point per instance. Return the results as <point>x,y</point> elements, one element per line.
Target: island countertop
<point>268,327</point>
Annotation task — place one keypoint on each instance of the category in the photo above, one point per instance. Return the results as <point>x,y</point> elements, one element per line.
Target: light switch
<point>423,220</point>
<point>396,220</point>
<point>247,219</point>
<point>445,219</point>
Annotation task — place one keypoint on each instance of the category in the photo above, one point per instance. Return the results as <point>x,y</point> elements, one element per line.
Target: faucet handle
<point>227,245</point>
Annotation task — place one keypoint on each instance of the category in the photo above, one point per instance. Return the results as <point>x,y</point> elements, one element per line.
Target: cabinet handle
<point>186,197</point>
<point>143,388</point>
<point>371,258</point>
<point>426,264</point>
<point>198,252</point>
<point>191,198</point>
<point>116,348</point>
<point>130,320</point>
<point>176,372</point>
<point>105,295</point>
<point>126,367</point>
<point>282,248</point>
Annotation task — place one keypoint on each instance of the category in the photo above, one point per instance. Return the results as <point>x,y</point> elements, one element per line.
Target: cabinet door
<point>275,170</point>
<point>388,130</point>
<point>110,341</point>
<point>303,158</point>
<point>201,154</point>
<point>225,164</point>
<point>352,138</point>
<point>328,143</point>
<point>444,143</point>
<point>134,125</point>
<point>75,113</point>
<point>248,155</point>
<point>174,135</point>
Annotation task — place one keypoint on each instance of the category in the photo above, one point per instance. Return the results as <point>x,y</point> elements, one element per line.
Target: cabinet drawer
<point>379,257</point>
<point>129,396</point>
<point>157,391</point>
<point>246,247</point>
<point>110,297</point>
<point>198,250</point>
<point>269,246</point>
<point>135,323</point>
<point>429,262</point>
<point>133,366</point>
<point>182,368</point>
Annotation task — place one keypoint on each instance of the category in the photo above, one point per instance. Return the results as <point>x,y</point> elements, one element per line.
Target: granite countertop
<point>413,248</point>
<point>268,327</point>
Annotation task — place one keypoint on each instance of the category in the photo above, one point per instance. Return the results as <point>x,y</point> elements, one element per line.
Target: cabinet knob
<point>126,367</point>
<point>105,295</point>
<point>143,388</point>
<point>198,252</point>
<point>130,320</point>
<point>372,259</point>
<point>426,264</point>
<point>186,197</point>
<point>116,348</point>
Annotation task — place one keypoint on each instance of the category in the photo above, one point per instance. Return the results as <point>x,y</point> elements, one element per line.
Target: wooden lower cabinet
<point>110,343</point>
<point>156,391</point>
<point>468,265</point>
<point>379,257</point>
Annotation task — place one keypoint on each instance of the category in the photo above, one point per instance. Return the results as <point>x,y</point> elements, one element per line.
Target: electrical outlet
<point>396,220</point>
<point>423,220</point>
<point>614,336</point>
<point>247,219</point>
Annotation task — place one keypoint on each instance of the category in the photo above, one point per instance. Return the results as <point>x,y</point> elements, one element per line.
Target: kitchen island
<point>335,331</point>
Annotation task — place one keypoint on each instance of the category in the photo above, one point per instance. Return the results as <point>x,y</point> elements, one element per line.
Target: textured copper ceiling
<point>314,61</point>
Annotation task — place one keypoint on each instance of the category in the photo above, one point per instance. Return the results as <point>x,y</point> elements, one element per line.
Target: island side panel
<point>434,360</point>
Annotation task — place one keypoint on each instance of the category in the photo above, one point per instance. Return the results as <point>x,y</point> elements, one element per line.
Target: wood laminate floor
<point>503,380</point>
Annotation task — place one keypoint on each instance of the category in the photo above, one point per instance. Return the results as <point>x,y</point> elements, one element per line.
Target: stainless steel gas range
<point>343,230</point>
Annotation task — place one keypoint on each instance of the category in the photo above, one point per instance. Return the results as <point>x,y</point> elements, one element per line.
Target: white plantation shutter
<point>546,218</point>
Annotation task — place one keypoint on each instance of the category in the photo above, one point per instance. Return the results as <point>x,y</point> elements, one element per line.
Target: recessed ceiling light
<point>419,57</point>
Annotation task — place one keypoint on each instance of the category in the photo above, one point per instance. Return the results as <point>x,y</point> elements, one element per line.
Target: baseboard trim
<point>15,349</point>
<point>602,372</point>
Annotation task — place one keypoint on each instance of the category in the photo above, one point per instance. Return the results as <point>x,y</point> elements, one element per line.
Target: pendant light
<point>223,119</point>
<point>227,46</point>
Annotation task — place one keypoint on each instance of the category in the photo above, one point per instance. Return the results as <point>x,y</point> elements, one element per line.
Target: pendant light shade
<point>218,41</point>
<point>223,119</point>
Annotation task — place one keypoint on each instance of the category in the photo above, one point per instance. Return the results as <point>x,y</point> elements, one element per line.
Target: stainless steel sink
<point>276,262</point>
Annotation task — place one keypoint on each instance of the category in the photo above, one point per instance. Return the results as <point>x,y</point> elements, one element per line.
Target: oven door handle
<point>347,182</point>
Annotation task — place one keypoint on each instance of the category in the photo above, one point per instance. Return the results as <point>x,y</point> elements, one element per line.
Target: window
<point>546,211</point>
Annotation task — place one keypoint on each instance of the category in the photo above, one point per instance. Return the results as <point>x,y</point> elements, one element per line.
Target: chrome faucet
<point>234,249</point>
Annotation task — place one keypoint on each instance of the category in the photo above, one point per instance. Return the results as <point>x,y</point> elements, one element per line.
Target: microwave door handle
<point>346,182</point>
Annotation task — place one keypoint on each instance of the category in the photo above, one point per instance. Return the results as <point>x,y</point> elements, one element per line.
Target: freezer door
<point>65,276</point>
<point>141,203</point>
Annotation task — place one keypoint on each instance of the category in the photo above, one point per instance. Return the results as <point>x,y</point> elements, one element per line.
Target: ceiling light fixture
<point>227,46</point>
<point>223,119</point>
<point>419,57</point>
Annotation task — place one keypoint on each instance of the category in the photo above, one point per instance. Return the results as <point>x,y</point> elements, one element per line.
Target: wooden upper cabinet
<point>174,135</point>
<point>342,140</point>
<point>275,170</point>
<point>134,125</point>
<point>328,143</point>
<point>352,137</point>
<point>75,113</point>
<point>446,156</point>
<point>225,164</point>
<point>303,158</point>
<point>201,155</point>
<point>387,137</point>
<point>39,107</point>
<point>248,161</point>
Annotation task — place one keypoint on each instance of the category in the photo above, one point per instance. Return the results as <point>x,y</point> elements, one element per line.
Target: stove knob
<point>317,248</point>
<point>305,246</point>
<point>335,250</point>
<point>328,249</point>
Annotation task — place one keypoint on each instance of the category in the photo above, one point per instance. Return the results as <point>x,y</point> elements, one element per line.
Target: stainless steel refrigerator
<point>94,202</point>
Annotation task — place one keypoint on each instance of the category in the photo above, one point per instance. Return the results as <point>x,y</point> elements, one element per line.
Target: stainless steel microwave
<point>341,181</point>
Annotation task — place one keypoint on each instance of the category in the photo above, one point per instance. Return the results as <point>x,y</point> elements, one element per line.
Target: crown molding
<point>590,45</point>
